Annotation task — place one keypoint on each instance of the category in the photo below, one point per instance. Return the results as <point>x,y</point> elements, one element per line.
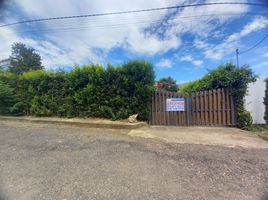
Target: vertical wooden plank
<point>158,108</point>
<point>210,108</point>
<point>189,111</point>
<point>206,107</point>
<point>178,114</point>
<point>152,109</point>
<point>228,111</point>
<point>219,106</point>
<point>201,107</point>
<point>193,108</point>
<point>154,113</point>
<point>164,108</point>
<point>223,106</point>
<point>185,110</point>
<point>198,119</point>
<point>155,109</point>
<point>232,109</point>
<point>168,113</point>
<point>196,109</point>
<point>171,112</point>
<point>215,107</point>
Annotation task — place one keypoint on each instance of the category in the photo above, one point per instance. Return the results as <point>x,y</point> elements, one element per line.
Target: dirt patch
<point>228,137</point>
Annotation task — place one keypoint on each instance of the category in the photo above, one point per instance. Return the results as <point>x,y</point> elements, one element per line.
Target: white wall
<point>254,100</point>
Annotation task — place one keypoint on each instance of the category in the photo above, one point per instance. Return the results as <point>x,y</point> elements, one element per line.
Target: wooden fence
<point>207,108</point>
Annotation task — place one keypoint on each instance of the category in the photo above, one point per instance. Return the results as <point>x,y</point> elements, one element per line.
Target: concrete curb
<point>109,125</point>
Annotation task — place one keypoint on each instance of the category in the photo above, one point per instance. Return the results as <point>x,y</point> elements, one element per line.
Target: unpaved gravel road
<point>63,162</point>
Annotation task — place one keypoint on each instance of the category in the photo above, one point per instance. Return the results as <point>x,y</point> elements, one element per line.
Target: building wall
<point>254,100</point>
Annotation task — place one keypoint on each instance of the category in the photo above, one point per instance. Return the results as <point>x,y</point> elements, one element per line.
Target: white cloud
<point>105,33</point>
<point>165,63</point>
<point>189,58</point>
<point>257,24</point>
<point>206,20</point>
<point>232,42</point>
<point>108,32</point>
<point>265,54</point>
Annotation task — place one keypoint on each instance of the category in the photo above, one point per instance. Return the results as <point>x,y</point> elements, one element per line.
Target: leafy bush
<point>167,84</point>
<point>244,119</point>
<point>8,102</point>
<point>7,98</point>
<point>87,91</point>
<point>227,75</point>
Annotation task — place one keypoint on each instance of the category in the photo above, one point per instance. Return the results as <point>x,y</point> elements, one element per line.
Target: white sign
<point>175,104</point>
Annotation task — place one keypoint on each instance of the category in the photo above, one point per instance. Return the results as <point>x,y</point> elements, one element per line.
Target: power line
<point>131,11</point>
<point>73,27</point>
<point>254,46</point>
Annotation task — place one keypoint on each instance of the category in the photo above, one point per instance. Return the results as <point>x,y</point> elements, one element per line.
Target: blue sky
<point>181,43</point>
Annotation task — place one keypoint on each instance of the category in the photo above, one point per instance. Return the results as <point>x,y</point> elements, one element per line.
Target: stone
<point>133,118</point>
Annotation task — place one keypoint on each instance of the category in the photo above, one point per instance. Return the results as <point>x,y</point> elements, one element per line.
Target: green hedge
<point>87,91</point>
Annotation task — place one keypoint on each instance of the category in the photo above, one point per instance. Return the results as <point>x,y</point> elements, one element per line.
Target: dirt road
<point>63,162</point>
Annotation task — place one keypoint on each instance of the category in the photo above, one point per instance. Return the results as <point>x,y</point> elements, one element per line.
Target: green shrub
<point>87,91</point>
<point>7,98</point>
<point>244,120</point>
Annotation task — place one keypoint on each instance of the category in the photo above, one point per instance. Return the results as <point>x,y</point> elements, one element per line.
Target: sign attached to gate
<point>175,104</point>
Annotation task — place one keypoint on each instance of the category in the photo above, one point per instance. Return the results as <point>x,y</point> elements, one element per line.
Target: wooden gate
<point>207,108</point>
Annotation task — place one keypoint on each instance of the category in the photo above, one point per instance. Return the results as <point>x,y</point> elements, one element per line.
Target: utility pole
<point>237,63</point>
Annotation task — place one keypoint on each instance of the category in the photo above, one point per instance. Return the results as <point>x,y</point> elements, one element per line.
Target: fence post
<point>188,109</point>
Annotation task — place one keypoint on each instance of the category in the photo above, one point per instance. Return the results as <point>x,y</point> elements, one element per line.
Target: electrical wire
<point>131,11</point>
<point>76,27</point>
<point>254,46</point>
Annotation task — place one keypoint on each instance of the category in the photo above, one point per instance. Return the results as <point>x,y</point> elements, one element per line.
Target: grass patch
<point>261,130</point>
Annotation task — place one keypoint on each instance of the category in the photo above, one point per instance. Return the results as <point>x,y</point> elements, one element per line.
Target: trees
<point>168,84</point>
<point>24,59</point>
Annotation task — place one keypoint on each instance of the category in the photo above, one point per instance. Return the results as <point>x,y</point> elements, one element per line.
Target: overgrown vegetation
<point>87,91</point>
<point>261,130</point>
<point>167,84</point>
<point>265,102</point>
<point>227,75</point>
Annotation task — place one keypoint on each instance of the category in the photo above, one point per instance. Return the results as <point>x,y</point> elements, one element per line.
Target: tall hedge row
<point>87,91</point>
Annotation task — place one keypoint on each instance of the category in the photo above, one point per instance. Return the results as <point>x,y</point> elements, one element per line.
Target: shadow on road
<point>265,196</point>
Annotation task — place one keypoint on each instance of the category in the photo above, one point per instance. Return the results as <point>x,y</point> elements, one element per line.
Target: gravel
<point>64,162</point>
